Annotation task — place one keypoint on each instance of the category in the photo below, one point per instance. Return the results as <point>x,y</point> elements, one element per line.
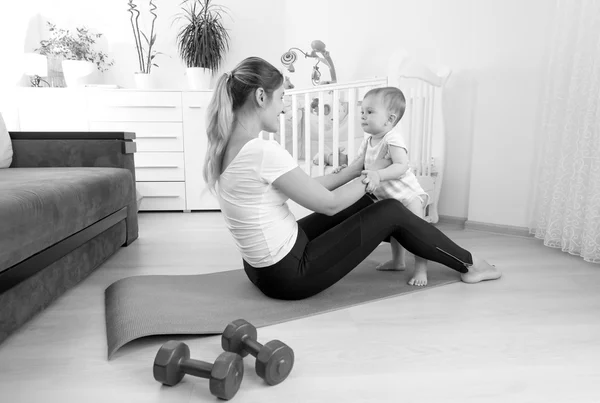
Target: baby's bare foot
<point>391,266</point>
<point>419,277</point>
<point>480,271</point>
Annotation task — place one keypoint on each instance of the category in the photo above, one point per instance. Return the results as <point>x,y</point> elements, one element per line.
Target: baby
<point>387,167</point>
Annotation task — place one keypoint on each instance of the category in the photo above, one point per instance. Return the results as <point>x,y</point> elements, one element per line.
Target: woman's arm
<point>313,195</point>
<point>352,171</point>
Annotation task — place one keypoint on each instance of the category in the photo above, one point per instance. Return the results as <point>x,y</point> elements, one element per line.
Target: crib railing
<point>330,116</point>
<point>422,125</point>
<point>424,131</point>
<point>333,106</point>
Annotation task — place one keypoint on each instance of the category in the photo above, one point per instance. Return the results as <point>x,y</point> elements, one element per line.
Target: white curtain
<point>566,205</point>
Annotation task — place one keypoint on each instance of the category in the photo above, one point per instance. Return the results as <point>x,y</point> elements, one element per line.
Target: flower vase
<point>56,76</point>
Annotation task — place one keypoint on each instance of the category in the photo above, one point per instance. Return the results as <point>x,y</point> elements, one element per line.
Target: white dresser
<point>169,127</point>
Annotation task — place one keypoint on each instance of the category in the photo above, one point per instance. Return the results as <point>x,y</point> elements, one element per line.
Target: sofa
<point>67,203</point>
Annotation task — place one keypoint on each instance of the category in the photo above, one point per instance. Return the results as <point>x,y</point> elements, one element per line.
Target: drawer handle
<point>156,137</point>
<point>162,197</point>
<point>157,166</point>
<point>143,106</point>
<point>195,106</point>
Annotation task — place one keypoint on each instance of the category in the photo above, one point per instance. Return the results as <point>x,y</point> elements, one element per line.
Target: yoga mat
<point>204,304</point>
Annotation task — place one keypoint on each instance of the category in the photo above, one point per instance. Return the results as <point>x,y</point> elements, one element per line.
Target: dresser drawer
<point>135,114</point>
<point>141,106</point>
<point>120,98</point>
<point>196,99</point>
<point>162,195</point>
<point>159,167</point>
<point>154,136</point>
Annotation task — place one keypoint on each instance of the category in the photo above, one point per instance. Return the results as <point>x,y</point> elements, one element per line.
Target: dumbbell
<point>173,361</point>
<point>274,360</point>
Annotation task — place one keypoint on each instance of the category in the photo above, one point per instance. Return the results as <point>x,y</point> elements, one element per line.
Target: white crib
<point>334,123</point>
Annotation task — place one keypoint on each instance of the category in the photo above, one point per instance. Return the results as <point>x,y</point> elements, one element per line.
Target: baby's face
<point>375,118</point>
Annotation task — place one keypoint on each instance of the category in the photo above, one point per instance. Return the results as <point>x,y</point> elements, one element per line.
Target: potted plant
<point>202,41</point>
<point>145,50</point>
<point>76,53</point>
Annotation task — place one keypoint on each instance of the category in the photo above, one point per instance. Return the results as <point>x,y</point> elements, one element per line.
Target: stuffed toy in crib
<point>328,157</point>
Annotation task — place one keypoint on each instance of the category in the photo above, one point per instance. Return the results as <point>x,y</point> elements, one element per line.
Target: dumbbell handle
<point>196,367</point>
<point>251,345</point>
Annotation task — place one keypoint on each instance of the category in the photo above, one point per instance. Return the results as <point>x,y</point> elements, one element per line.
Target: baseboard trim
<point>453,221</point>
<point>498,228</point>
<point>463,223</point>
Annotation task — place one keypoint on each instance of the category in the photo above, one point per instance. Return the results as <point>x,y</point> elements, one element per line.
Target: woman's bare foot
<point>391,265</point>
<point>419,277</point>
<point>480,271</point>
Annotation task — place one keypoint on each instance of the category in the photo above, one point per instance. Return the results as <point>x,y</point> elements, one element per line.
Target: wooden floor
<point>533,336</point>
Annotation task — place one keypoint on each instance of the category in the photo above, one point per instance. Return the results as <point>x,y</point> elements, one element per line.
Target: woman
<point>253,178</point>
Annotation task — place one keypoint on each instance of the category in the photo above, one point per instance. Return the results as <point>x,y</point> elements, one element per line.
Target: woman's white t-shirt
<point>256,212</point>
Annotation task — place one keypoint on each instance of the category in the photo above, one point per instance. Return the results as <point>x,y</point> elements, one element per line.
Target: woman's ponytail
<point>219,118</point>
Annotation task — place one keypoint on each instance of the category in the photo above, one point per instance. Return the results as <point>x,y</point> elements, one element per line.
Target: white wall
<point>252,32</point>
<point>509,75</point>
<point>495,50</point>
<point>13,29</point>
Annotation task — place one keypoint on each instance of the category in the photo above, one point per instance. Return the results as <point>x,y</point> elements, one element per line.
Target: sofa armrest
<point>73,149</point>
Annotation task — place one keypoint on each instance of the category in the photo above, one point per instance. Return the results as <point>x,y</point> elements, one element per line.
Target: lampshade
<point>35,64</point>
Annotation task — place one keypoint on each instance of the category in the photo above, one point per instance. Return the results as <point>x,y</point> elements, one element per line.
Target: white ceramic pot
<point>198,78</point>
<point>144,81</point>
<point>79,72</point>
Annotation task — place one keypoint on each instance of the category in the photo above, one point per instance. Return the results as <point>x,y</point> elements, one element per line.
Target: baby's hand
<point>372,179</point>
<point>339,168</point>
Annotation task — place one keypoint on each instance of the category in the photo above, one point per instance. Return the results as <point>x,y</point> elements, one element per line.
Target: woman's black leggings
<point>329,247</point>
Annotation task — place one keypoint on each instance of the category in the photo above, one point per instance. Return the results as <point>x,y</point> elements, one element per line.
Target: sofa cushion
<point>42,206</point>
<point>6,151</point>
